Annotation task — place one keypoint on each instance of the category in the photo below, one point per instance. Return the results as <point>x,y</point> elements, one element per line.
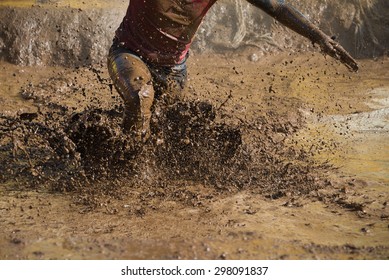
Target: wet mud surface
<point>270,159</point>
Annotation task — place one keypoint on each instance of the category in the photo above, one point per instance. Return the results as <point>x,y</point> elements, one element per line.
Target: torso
<point>161,31</point>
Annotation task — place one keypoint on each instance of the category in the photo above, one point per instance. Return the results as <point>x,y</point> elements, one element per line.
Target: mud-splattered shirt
<point>161,31</point>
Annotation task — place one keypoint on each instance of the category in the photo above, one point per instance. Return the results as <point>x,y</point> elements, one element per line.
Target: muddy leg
<point>132,79</point>
<point>146,98</point>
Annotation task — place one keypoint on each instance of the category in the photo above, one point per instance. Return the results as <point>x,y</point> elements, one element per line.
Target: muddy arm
<point>293,19</point>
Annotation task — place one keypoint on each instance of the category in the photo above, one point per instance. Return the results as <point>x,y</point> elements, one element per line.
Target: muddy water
<point>370,153</point>
<point>278,201</point>
<point>364,133</point>
<point>282,158</point>
<point>370,163</point>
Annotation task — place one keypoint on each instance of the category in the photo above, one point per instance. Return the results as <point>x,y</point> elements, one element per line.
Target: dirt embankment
<point>71,33</point>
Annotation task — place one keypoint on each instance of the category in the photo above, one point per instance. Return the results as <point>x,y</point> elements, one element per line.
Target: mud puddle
<point>361,136</point>
<point>222,177</point>
<point>370,153</point>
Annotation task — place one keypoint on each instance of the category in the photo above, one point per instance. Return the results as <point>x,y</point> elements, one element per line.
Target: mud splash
<point>63,147</point>
<point>235,177</point>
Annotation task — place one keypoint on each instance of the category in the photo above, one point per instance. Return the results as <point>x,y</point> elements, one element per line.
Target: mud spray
<point>245,165</point>
<point>62,148</point>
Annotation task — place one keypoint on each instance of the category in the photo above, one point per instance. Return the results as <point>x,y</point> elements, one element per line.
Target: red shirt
<point>161,31</point>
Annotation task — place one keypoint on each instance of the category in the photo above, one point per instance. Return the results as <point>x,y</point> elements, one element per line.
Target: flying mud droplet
<point>85,151</point>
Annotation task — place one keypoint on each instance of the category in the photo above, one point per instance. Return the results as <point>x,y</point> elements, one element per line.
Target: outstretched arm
<point>293,19</point>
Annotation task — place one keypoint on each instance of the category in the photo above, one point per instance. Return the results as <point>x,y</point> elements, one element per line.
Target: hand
<point>334,49</point>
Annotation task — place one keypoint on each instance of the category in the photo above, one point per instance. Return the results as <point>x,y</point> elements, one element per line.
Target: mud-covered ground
<point>281,158</point>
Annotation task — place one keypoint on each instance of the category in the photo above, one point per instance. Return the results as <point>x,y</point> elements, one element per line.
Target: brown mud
<point>260,160</point>
<point>71,32</point>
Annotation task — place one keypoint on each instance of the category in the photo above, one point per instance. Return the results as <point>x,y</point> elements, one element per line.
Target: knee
<point>129,75</point>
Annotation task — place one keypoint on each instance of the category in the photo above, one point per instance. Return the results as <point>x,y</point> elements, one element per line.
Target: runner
<point>150,48</point>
